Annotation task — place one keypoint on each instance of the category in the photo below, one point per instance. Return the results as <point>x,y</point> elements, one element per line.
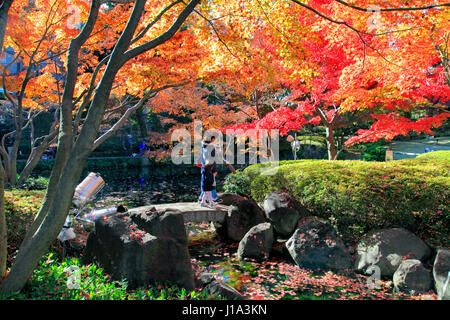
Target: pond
<point>135,187</point>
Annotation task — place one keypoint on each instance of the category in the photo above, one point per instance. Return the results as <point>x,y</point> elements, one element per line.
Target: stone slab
<point>192,211</point>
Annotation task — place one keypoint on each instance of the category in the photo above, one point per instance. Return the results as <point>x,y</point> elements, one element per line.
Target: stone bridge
<point>192,211</point>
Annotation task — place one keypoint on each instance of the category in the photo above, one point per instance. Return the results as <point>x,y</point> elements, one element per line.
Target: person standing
<point>208,153</point>
<point>207,184</point>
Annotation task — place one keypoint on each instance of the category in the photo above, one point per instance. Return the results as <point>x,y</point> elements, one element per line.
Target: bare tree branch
<point>154,21</point>
<point>394,9</point>
<point>217,34</point>
<point>165,36</point>
<point>146,96</point>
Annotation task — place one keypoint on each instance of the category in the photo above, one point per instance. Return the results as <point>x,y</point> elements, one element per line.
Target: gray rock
<point>241,218</point>
<point>387,248</point>
<point>315,245</point>
<point>163,223</point>
<point>283,212</point>
<point>412,277</point>
<point>143,250</point>
<point>441,273</point>
<point>228,199</point>
<point>257,242</point>
<point>213,286</point>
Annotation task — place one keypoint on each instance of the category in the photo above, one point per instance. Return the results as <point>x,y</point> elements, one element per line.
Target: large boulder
<point>143,248</point>
<point>241,218</point>
<point>163,224</point>
<point>411,277</point>
<point>387,248</point>
<point>213,286</point>
<point>228,199</point>
<point>441,273</point>
<point>315,245</point>
<point>257,242</point>
<point>283,212</point>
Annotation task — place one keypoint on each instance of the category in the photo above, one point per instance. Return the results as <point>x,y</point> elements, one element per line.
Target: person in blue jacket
<point>208,173</point>
<point>208,148</point>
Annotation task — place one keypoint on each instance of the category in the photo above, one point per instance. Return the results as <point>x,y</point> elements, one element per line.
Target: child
<point>207,183</point>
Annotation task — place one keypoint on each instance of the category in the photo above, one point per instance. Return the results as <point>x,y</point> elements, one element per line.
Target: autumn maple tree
<point>4,9</point>
<point>120,56</point>
<point>337,64</point>
<point>135,28</point>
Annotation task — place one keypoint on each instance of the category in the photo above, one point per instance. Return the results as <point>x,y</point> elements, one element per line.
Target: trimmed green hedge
<point>21,206</point>
<point>359,196</point>
<point>438,155</point>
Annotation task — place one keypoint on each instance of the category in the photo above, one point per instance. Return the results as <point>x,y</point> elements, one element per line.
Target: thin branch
<point>122,104</point>
<point>155,20</point>
<point>322,115</point>
<point>117,1</point>
<point>165,36</point>
<point>378,52</point>
<point>394,9</point>
<point>8,96</point>
<point>359,32</point>
<point>217,34</point>
<point>146,96</point>
<point>21,129</point>
<point>348,25</point>
<point>121,121</point>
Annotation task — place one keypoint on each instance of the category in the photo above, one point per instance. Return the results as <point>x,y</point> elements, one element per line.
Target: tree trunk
<point>32,162</point>
<point>141,122</point>
<point>12,174</point>
<point>328,124</point>
<point>4,9</point>
<point>3,234</point>
<point>66,125</point>
<point>331,144</point>
<point>39,239</point>
<point>30,254</point>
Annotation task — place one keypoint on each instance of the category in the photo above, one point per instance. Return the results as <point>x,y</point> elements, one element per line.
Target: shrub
<point>43,165</point>
<point>360,196</point>
<point>49,282</point>
<point>237,183</point>
<point>21,206</point>
<point>374,152</point>
<point>437,155</point>
<point>32,183</point>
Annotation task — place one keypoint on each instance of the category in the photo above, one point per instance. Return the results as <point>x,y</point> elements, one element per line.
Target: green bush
<point>437,155</point>
<point>43,165</point>
<point>32,183</point>
<point>237,183</point>
<point>49,282</point>
<point>359,196</point>
<point>374,152</point>
<point>21,206</point>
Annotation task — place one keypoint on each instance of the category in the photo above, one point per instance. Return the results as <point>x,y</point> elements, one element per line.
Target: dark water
<point>134,188</point>
<point>148,185</point>
<point>151,185</point>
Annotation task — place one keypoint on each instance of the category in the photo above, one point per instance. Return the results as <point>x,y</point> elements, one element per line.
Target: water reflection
<point>145,186</point>
<point>134,188</point>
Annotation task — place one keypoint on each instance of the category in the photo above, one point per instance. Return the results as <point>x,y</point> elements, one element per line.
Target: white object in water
<point>88,189</point>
